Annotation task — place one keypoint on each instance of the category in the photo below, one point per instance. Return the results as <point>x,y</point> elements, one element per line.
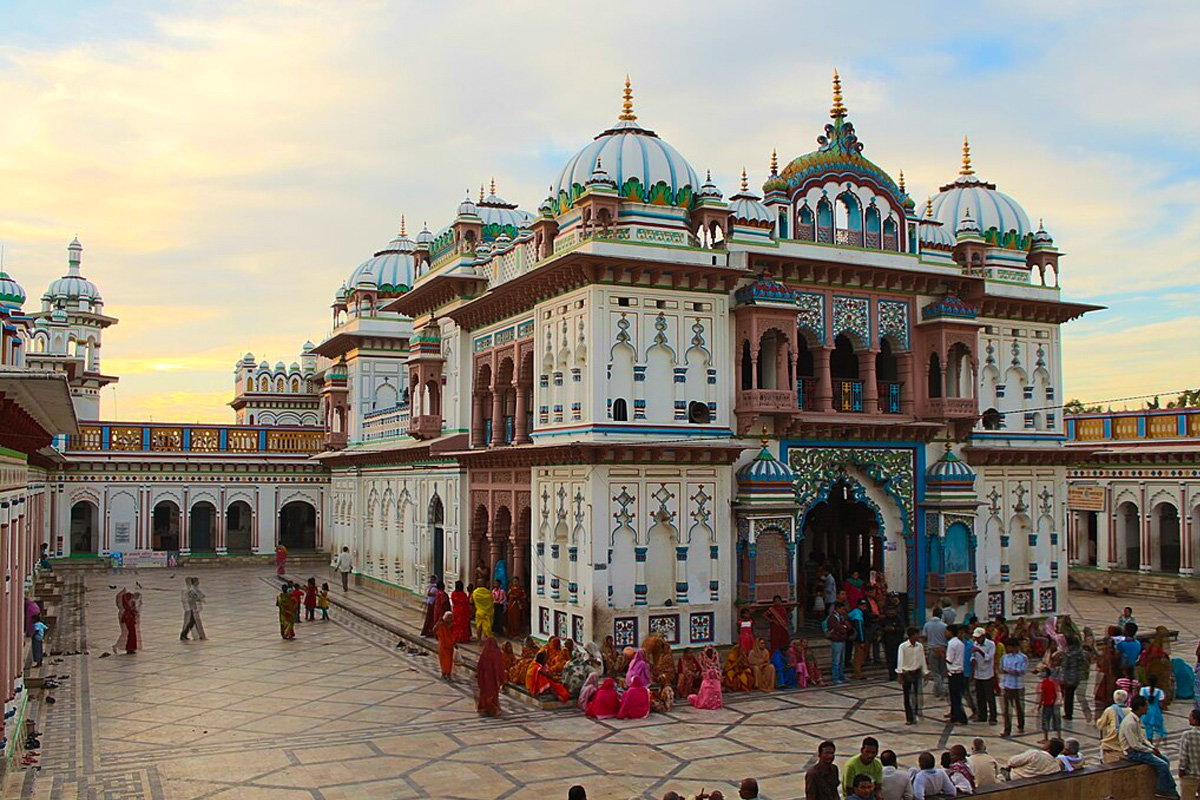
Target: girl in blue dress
<point>1156,729</point>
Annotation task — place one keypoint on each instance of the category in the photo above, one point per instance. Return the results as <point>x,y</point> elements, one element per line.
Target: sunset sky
<point>226,165</point>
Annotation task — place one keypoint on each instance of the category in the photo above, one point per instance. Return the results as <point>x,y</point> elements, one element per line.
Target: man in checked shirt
<point>1189,757</point>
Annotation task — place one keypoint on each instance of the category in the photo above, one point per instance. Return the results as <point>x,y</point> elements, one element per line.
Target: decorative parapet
<point>1146,424</point>
<point>172,438</point>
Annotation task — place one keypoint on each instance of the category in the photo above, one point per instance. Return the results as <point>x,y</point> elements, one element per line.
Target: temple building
<point>647,402</point>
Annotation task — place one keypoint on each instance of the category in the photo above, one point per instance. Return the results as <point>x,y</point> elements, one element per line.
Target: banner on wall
<point>150,558</point>
<point>1085,498</point>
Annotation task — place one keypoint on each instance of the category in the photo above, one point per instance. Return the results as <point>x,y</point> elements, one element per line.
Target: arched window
<point>805,227</point>
<point>620,410</point>
<point>891,234</point>
<point>887,374</point>
<point>747,367</point>
<point>843,363</point>
<point>698,413</point>
<point>935,375</point>
<point>824,221</point>
<point>874,237</point>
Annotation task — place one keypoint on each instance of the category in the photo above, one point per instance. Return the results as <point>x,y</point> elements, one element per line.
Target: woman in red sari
<point>460,606</point>
<point>123,639</point>
<point>539,680</point>
<point>446,641</point>
<point>130,608</point>
<point>280,559</point>
<point>781,626</point>
<point>515,609</point>
<point>491,676</point>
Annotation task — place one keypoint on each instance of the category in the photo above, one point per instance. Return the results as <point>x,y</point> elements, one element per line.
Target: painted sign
<point>1085,498</point>
<point>121,538</point>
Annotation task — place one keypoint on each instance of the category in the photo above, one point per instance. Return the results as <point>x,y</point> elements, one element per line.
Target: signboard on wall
<point>121,540</point>
<point>151,558</point>
<point>1085,498</point>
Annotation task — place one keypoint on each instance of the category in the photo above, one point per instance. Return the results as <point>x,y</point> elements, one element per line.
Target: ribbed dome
<point>12,295</point>
<point>936,236</point>
<point>949,470</point>
<point>747,208</point>
<point>73,287</point>
<point>765,473</point>
<point>501,217</point>
<point>1000,218</point>
<point>644,167</point>
<point>390,269</point>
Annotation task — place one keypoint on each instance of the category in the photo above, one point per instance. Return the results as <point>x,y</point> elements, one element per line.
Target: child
<point>39,635</point>
<point>298,596</point>
<point>323,601</point>
<point>310,600</point>
<point>1153,720</point>
<point>1048,700</point>
<point>1128,682</point>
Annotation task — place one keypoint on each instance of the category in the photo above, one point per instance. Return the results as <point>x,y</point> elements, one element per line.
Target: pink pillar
<point>866,362</point>
<point>824,378</point>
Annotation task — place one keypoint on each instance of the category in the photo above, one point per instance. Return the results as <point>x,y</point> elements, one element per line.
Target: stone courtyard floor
<point>339,713</point>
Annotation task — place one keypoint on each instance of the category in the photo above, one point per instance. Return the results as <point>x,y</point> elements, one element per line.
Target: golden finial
<point>966,162</point>
<point>745,185</point>
<point>839,109</point>
<point>493,185</point>
<point>402,232</point>
<point>929,206</point>
<point>774,162</point>
<point>481,192</point>
<point>902,191</point>
<point>627,106</point>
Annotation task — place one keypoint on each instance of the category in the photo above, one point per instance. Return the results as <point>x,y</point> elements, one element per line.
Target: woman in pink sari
<point>638,667</point>
<point>130,613</point>
<point>636,702</point>
<point>605,703</point>
<point>709,696</point>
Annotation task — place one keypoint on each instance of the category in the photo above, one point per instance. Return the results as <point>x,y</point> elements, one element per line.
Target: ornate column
<point>477,421</point>
<point>639,579</point>
<point>866,363</point>
<point>904,369</point>
<point>493,555</point>
<point>1185,532</point>
<point>714,581</point>
<point>1144,532</point>
<point>497,417</point>
<point>681,580</point>
<point>824,390</point>
<point>521,435</point>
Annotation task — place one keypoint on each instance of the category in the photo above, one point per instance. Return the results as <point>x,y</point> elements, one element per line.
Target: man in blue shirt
<point>1129,647</point>
<point>858,623</point>
<point>1013,667</point>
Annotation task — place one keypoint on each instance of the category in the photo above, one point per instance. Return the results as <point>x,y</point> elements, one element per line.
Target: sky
<point>227,165</point>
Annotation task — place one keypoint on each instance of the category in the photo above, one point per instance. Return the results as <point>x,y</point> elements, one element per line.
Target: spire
<point>481,192</point>
<point>902,191</point>
<point>74,256</point>
<point>774,162</point>
<point>839,109</point>
<point>707,175</point>
<point>929,207</point>
<point>493,185</point>
<point>745,185</point>
<point>966,170</point>
<point>402,229</point>
<point>627,106</point>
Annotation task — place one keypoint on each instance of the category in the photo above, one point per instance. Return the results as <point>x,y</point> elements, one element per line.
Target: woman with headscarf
<point>517,673</point>
<point>484,607</point>
<point>812,667</point>
<point>709,695</point>
<point>557,656</point>
<point>131,612</point>
<point>1108,669</point>
<point>687,680</point>
<point>447,639</point>
<point>123,638</point>
<point>490,677</point>
<point>736,676</point>
<point>623,662</point>
<point>510,657</point>
<point>515,609</point>
<point>539,680</point>
<point>780,624</point>
<point>605,703</point>
<point>431,596</point>
<point>577,670</point>
<point>663,668</point>
<point>709,659</point>
<point>286,603</point>
<point>1157,661</point>
<point>608,652</point>
<point>460,607</point>
<point>591,685</point>
<point>280,559</point>
<point>638,666</point>
<point>760,665</point>
<point>796,660</point>
<point>785,672</point>
<point>635,703</point>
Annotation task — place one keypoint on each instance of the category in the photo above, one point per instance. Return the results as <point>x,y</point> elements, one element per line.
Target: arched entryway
<point>1129,536</point>
<point>298,525</point>
<point>436,520</point>
<point>85,530</point>
<point>1164,530</point>
<point>238,527</point>
<point>164,531</point>
<point>844,531</point>
<point>202,523</point>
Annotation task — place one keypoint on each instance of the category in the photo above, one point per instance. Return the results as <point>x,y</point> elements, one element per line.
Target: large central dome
<point>645,168</point>
<point>1001,219</point>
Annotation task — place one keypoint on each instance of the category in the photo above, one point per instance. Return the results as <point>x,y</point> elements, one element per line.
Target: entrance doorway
<point>298,525</point>
<point>437,516</point>
<point>84,538</point>
<point>200,527</point>
<point>165,530</point>
<point>842,532</point>
<point>237,527</point>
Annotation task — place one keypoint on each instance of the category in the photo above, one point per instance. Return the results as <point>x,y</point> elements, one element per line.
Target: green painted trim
<point>17,454</point>
<point>387,583</point>
<point>17,723</point>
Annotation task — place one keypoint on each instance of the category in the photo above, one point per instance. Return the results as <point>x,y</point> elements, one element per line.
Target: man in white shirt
<point>931,782</point>
<point>1133,739</point>
<point>1034,763</point>
<point>344,565</point>
<point>896,783</point>
<point>983,674</point>
<point>955,655</point>
<point>910,667</point>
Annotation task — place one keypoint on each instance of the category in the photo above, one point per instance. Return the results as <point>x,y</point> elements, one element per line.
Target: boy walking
<point>1048,702</point>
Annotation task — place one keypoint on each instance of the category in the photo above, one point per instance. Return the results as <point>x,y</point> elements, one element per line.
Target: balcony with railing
<point>1144,424</point>
<point>953,407</point>
<point>165,437</point>
<point>847,396</point>
<point>889,396</point>
<point>806,394</point>
<point>766,401</point>
<point>385,423</point>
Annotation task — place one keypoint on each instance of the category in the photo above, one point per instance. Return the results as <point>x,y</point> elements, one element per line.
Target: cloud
<point>226,168</point>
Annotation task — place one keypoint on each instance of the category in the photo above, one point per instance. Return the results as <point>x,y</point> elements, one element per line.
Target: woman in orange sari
<point>539,680</point>
<point>736,676</point>
<point>557,656</point>
<point>446,641</point>
<point>520,668</point>
<point>490,676</point>
<point>515,610</point>
<point>460,607</point>
<point>510,658</point>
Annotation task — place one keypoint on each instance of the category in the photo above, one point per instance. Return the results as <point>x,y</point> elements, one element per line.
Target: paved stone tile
<point>340,714</point>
